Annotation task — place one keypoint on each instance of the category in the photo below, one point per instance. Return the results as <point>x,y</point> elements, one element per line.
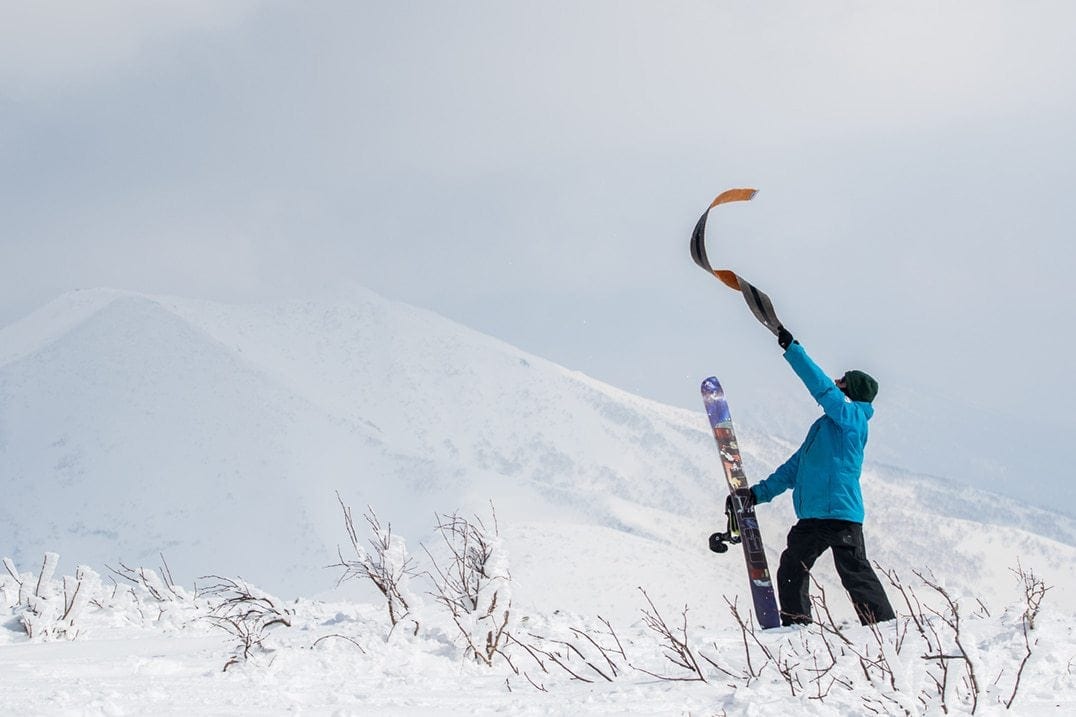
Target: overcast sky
<point>534,170</point>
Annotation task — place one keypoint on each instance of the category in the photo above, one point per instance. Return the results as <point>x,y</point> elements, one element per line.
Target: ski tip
<point>711,385</point>
<point>744,194</point>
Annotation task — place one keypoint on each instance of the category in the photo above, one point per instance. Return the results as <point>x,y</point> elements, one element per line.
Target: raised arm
<point>822,388</point>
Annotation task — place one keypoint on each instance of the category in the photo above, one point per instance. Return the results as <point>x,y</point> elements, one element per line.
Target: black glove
<point>784,338</point>
<point>749,500</point>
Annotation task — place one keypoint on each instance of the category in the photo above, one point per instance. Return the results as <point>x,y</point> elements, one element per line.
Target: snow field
<point>220,436</point>
<point>151,647</point>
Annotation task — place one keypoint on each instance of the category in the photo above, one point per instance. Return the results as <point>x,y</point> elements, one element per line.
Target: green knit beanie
<point>860,386</point>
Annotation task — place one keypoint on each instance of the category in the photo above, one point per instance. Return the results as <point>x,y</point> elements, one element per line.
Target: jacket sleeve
<point>779,481</point>
<point>822,388</point>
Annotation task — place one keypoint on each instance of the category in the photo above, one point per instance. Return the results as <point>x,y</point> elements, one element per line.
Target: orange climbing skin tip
<point>734,195</point>
<point>728,278</point>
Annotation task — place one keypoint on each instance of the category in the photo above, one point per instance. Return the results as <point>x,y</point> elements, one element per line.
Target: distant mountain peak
<point>55,319</point>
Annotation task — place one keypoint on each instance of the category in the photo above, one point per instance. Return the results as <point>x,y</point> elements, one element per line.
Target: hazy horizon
<point>534,172</point>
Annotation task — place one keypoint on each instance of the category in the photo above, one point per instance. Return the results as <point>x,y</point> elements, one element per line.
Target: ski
<point>743,526</point>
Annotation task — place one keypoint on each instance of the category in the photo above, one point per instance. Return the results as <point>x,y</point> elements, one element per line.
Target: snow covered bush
<point>389,566</point>
<point>469,578</point>
<point>48,609</point>
<point>157,586</point>
<point>473,583</point>
<point>246,613</point>
<point>12,585</point>
<point>150,597</point>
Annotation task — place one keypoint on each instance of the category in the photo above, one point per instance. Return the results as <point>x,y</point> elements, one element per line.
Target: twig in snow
<point>341,637</point>
<point>677,649</point>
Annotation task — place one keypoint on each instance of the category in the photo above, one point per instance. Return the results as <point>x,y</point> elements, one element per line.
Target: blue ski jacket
<point>824,472</point>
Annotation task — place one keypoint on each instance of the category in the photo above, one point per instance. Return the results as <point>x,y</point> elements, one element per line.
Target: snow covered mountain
<point>218,435</point>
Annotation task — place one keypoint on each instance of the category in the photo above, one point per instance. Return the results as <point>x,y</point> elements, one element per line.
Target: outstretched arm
<point>779,481</point>
<point>822,388</point>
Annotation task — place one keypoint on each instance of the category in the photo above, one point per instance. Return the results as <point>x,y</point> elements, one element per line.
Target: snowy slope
<point>219,434</point>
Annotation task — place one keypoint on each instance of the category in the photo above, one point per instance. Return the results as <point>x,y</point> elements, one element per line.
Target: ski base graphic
<point>743,526</point>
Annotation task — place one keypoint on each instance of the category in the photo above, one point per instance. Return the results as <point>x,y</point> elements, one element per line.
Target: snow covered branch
<point>244,612</point>
<point>473,584</point>
<point>160,585</point>
<point>389,567</point>
<point>51,611</point>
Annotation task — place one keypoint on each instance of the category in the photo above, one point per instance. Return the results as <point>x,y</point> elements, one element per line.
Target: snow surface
<point>133,426</point>
<point>132,653</point>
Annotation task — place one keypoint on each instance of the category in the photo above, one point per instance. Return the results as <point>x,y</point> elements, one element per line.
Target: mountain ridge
<point>220,434</point>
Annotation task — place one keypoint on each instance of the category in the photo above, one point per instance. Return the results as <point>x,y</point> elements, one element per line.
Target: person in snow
<point>824,477</point>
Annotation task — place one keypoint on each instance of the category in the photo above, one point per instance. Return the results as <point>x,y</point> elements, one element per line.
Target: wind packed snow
<point>164,461</point>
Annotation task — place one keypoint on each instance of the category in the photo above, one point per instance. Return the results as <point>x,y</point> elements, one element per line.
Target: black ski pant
<point>807,540</point>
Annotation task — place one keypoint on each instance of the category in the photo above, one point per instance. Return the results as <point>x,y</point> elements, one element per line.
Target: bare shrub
<point>924,660</point>
<point>586,656</point>
<point>389,566</point>
<point>940,632</point>
<point>675,645</point>
<point>158,584</point>
<point>244,612</point>
<point>473,583</point>
<point>950,617</point>
<point>1035,590</point>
